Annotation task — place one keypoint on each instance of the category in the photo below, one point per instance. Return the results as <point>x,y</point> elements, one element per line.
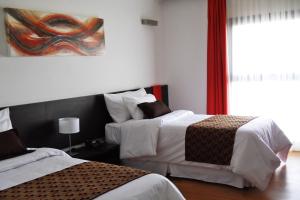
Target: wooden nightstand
<point>108,153</point>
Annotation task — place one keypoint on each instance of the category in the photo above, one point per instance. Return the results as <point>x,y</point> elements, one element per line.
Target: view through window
<point>265,73</point>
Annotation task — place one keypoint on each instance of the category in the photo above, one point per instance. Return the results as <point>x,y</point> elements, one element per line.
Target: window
<point>265,72</point>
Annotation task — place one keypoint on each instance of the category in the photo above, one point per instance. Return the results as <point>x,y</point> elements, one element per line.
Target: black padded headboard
<point>38,126</point>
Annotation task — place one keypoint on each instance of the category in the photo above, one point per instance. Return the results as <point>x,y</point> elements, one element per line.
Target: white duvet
<point>259,147</point>
<point>44,161</point>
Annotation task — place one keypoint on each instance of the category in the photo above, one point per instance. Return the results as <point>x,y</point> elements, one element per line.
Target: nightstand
<point>108,153</point>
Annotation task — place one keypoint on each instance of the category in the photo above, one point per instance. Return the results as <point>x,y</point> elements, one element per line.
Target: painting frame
<point>40,33</point>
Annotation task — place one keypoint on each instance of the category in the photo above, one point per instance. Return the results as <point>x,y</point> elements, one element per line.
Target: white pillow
<point>116,107</point>
<point>132,105</point>
<point>5,123</point>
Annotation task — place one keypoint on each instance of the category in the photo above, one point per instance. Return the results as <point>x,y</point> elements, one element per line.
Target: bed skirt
<point>220,176</point>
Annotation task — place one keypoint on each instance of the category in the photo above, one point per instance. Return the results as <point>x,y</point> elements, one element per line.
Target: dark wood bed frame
<point>37,123</point>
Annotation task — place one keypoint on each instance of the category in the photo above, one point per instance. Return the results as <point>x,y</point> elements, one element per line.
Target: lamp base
<point>72,153</point>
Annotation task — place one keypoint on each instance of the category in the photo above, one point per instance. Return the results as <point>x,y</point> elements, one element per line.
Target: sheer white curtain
<point>245,8</point>
<point>264,61</point>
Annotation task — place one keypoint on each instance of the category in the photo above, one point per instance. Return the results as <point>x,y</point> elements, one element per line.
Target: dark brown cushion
<point>154,109</point>
<point>10,144</point>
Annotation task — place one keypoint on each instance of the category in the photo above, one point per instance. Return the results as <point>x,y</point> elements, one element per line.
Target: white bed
<point>159,145</point>
<point>44,161</point>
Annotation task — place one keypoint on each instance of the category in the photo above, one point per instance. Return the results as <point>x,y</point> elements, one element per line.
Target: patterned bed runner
<point>212,140</point>
<point>80,182</point>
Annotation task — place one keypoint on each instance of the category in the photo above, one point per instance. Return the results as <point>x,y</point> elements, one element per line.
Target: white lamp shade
<point>68,125</point>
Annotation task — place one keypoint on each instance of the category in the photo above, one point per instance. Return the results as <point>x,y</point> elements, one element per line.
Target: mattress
<point>113,133</point>
<point>45,161</point>
<point>170,147</point>
<point>173,168</point>
<point>260,141</point>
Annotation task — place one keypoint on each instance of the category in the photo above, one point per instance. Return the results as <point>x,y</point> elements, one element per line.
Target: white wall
<point>182,56</point>
<point>129,61</point>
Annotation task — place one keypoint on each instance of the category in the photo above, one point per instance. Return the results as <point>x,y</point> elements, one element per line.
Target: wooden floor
<point>285,185</point>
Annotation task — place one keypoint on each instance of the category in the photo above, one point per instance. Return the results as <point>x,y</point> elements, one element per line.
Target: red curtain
<point>217,79</point>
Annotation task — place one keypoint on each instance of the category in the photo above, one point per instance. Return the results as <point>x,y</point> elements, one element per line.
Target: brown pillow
<point>10,144</point>
<point>154,109</point>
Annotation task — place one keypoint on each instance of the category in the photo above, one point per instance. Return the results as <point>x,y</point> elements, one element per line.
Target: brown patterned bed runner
<point>212,140</point>
<point>80,182</point>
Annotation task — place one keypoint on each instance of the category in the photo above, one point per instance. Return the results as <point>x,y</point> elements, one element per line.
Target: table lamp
<point>69,126</point>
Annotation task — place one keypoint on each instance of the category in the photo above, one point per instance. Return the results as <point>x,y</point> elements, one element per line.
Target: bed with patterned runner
<point>212,140</point>
<point>80,182</point>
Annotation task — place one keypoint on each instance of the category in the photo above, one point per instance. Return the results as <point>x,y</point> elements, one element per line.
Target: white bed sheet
<point>113,133</point>
<point>211,175</point>
<point>254,156</point>
<point>45,161</point>
<point>199,172</point>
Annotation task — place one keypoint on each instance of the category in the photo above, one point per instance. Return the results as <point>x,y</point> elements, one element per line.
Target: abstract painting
<point>34,33</point>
